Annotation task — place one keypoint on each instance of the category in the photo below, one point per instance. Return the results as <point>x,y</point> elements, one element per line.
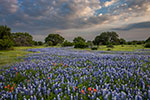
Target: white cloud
<point>109,3</point>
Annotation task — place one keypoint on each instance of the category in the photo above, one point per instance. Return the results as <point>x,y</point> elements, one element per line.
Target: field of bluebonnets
<point>65,74</point>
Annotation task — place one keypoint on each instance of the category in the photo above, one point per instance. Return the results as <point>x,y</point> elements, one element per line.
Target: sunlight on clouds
<point>109,3</point>
<point>83,16</point>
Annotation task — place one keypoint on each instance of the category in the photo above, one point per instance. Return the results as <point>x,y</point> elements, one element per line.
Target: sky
<point>72,18</point>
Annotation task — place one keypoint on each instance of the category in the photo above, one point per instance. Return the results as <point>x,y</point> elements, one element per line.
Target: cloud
<point>8,6</point>
<point>109,3</point>
<point>86,16</point>
<point>134,26</point>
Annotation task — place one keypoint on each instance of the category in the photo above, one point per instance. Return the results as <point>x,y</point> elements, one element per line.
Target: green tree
<point>81,44</point>
<point>106,38</point>
<point>6,41</point>
<point>78,39</point>
<point>67,43</point>
<point>122,41</point>
<point>54,38</point>
<point>37,43</point>
<point>22,39</point>
<point>40,43</point>
<point>90,44</point>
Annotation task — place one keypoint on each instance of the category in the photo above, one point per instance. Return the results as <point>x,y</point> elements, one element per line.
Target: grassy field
<point>119,48</point>
<point>122,48</point>
<point>9,56</point>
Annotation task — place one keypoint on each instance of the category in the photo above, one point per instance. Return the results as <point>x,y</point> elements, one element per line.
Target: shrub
<point>54,38</point>
<point>81,45</point>
<point>49,43</point>
<point>6,41</point>
<point>67,44</point>
<point>147,45</point>
<point>108,49</point>
<point>6,44</point>
<point>94,48</point>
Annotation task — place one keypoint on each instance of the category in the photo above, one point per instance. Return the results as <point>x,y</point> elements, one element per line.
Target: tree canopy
<point>78,39</point>
<point>67,44</point>
<point>106,38</point>
<point>5,38</point>
<point>79,42</point>
<point>54,38</point>
<point>22,39</point>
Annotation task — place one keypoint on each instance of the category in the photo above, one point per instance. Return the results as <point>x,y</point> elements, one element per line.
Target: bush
<point>108,49</point>
<point>94,48</point>
<point>6,44</point>
<point>67,44</point>
<point>23,39</point>
<point>110,46</point>
<point>54,38</point>
<point>147,45</point>
<point>6,41</point>
<point>40,43</point>
<point>49,43</point>
<point>81,45</point>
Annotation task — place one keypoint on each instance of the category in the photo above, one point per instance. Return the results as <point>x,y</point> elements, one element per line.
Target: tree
<point>5,38</point>
<point>106,38</point>
<point>90,44</point>
<point>54,38</point>
<point>122,41</point>
<point>40,43</point>
<point>81,44</point>
<point>147,45</point>
<point>148,40</point>
<point>37,43</point>
<point>22,39</point>
<point>67,44</point>
<point>78,39</point>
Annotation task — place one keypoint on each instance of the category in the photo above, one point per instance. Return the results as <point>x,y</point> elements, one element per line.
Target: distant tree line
<point>8,40</point>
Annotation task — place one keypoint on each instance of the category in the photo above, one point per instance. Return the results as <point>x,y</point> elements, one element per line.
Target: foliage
<point>148,40</point>
<point>54,38</point>
<point>135,42</point>
<point>49,43</point>
<point>94,48</point>
<point>67,43</point>
<point>22,39</point>
<point>78,39</point>
<point>64,74</point>
<point>5,44</point>
<point>79,42</point>
<point>90,44</point>
<point>122,41</point>
<point>5,38</point>
<point>106,38</point>
<point>81,45</point>
<point>147,45</point>
<point>38,43</point>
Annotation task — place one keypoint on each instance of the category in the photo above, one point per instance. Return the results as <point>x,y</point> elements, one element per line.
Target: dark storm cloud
<point>134,26</point>
<point>40,16</point>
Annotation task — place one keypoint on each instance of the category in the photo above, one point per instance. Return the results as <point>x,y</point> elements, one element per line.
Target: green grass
<point>118,48</point>
<point>122,48</point>
<point>10,56</point>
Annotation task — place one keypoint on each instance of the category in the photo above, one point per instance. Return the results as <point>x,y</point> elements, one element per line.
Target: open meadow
<point>71,74</point>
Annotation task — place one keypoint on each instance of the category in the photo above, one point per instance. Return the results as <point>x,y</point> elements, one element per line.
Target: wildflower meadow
<point>66,74</point>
